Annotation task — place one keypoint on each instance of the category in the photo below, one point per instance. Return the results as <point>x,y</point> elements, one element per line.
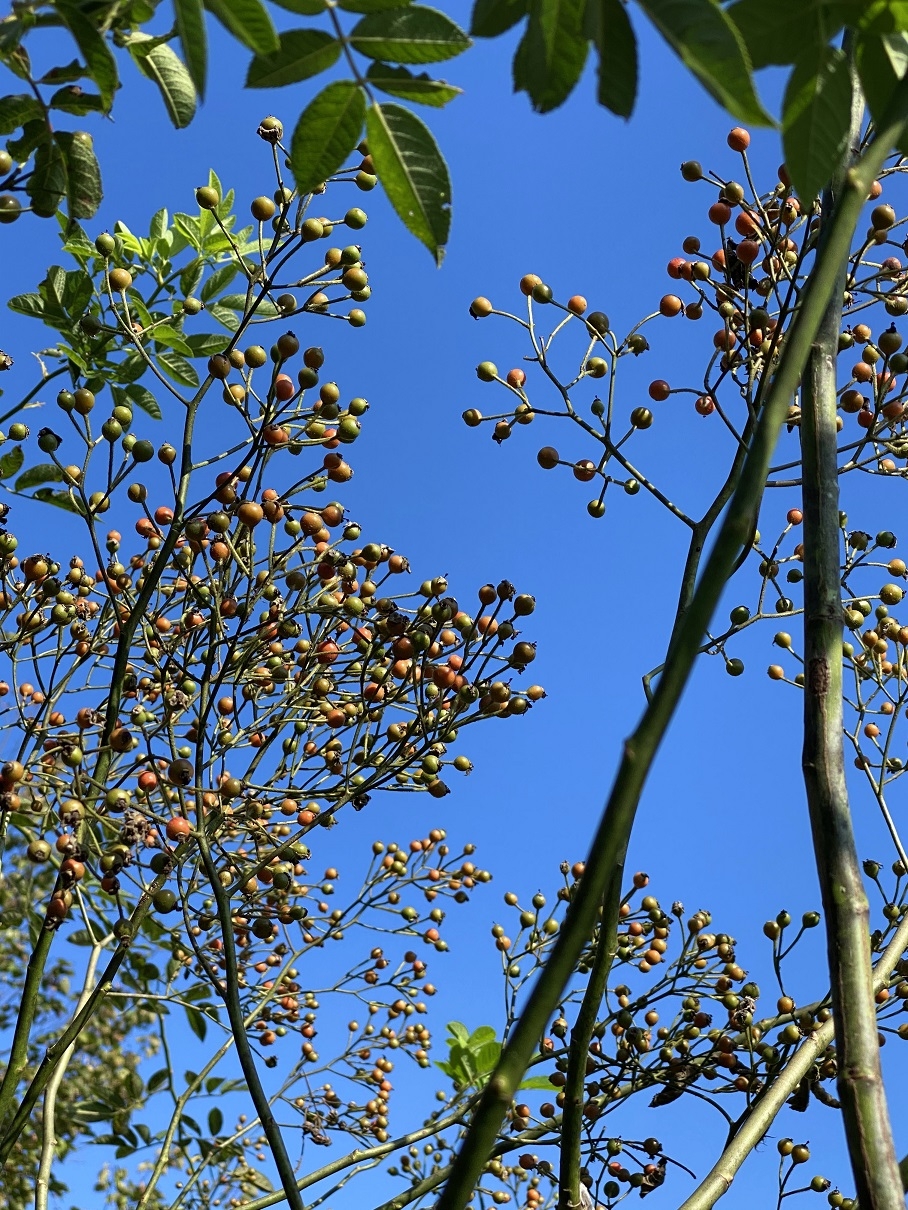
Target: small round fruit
<point>356,218</point>
<point>547,457</point>
<point>670,305</point>
<point>10,208</point>
<point>207,197</point>
<point>659,390</point>
<point>576,304</point>
<point>734,667</point>
<point>271,129</point>
<point>882,217</point>
<point>692,170</point>
<point>481,307</point>
<point>738,139</point>
<point>542,293</point>
<point>598,321</point>
<point>262,208</point>
<point>120,279</point>
<point>487,371</point>
<point>165,900</point>
<point>641,418</point>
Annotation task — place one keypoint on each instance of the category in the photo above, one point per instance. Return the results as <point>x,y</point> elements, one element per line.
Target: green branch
<point>578,1052</point>
<point>860,1079</point>
<point>607,855</point>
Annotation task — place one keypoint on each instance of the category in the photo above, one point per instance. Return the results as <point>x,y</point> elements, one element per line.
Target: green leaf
<point>163,334</point>
<point>219,280</point>
<point>493,17</point>
<point>97,54</point>
<point>17,60</point>
<point>34,133</point>
<point>409,35</point>
<point>302,53</point>
<point>224,316</point>
<point>16,110</point>
<point>65,74</point>
<point>215,1121</point>
<point>83,173</point>
<point>370,6</point>
<point>709,44</point>
<point>44,472</point>
<point>237,302</point>
<point>197,1023</point>
<point>72,99</point>
<point>882,16</point>
<point>327,131</point>
<point>32,305</point>
<point>775,31</point>
<point>77,293</point>
<point>189,227</point>
<point>459,1032</point>
<point>158,1080</point>
<point>191,276</point>
<point>48,495</point>
<point>816,117</point>
<point>249,22</point>
<point>163,66</point>
<point>413,173</point>
<point>399,82</point>
<point>178,368</point>
<point>158,225</point>
<point>610,29</point>
<point>144,399</point>
<point>190,19</point>
<point>307,8</point>
<point>542,1083</point>
<point>11,463</point>
<point>205,344</point>
<point>881,63</point>
<point>552,52</point>
<point>47,184</point>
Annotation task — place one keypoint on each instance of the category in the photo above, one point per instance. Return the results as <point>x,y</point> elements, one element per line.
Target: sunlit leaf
<point>413,173</point>
<point>400,82</point>
<point>302,53</point>
<point>552,52</point>
<point>249,22</point>
<point>710,45</point>
<point>327,131</point>
<point>409,35</point>
<point>163,66</point>
<point>816,117</point>
<point>609,27</point>
<point>93,46</point>
<point>493,17</point>
<point>190,18</point>
<point>83,173</point>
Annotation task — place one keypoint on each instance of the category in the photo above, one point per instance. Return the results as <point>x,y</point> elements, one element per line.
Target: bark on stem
<point>867,1127</point>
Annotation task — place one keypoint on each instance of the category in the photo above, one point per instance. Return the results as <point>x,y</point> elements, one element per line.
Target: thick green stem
<point>28,1008</point>
<point>860,1080</point>
<point>609,846</point>
<point>578,1052</point>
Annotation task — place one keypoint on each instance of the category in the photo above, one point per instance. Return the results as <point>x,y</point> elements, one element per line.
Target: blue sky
<point>594,206</point>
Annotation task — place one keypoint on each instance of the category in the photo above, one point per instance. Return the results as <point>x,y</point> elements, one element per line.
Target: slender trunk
<point>867,1127</point>
<point>578,1052</point>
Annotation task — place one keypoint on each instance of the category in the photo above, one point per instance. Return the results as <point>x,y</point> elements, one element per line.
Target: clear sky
<point>594,206</point>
